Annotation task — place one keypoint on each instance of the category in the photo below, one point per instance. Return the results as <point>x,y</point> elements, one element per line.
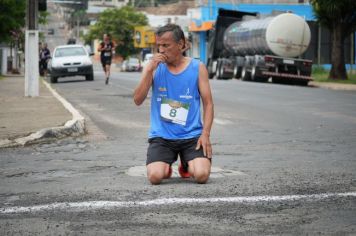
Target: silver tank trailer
<point>285,35</point>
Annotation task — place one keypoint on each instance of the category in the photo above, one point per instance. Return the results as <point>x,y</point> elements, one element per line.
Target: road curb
<point>333,86</point>
<point>73,127</point>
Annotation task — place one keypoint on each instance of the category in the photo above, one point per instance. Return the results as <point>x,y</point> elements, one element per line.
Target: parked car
<point>131,64</point>
<point>70,60</point>
<point>148,57</point>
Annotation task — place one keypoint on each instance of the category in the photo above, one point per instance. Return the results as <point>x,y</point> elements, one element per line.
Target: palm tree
<point>339,16</point>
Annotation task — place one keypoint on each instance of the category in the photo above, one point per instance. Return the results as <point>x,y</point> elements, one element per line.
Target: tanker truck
<point>253,48</point>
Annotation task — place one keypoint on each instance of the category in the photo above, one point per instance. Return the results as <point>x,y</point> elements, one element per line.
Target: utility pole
<point>31,50</point>
<point>78,26</point>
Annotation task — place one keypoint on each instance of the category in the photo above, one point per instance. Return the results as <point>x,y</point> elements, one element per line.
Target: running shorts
<point>166,150</point>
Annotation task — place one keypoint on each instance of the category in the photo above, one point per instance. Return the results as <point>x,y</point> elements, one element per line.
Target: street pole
<point>78,27</point>
<point>31,50</point>
<point>319,44</point>
<point>353,40</point>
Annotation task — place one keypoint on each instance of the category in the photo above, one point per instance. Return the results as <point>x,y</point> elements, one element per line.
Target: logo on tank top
<point>187,95</point>
<point>162,89</point>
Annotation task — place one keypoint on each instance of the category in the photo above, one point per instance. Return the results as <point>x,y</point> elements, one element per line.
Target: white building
<point>108,3</point>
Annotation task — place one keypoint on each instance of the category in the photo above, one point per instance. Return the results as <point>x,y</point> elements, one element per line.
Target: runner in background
<point>107,50</point>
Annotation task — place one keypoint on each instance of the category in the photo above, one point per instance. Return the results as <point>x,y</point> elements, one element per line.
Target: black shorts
<point>167,151</point>
<point>43,64</point>
<point>105,61</point>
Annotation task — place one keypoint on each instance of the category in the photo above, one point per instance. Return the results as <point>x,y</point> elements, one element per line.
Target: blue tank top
<point>175,103</point>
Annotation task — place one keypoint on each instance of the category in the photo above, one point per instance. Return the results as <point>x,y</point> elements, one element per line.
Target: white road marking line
<point>107,205</point>
<point>222,121</point>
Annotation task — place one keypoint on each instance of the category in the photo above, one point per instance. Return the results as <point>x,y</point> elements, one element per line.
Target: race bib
<point>174,111</point>
<point>107,54</point>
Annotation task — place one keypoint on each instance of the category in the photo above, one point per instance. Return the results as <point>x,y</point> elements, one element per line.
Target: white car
<point>70,60</point>
<point>148,57</point>
<point>131,64</point>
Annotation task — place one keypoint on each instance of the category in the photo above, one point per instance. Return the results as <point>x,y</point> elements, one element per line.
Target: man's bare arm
<point>208,110</point>
<point>145,84</point>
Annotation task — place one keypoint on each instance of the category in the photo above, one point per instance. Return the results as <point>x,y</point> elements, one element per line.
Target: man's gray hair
<point>177,32</point>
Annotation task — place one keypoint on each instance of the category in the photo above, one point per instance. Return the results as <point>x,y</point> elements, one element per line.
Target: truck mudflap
<point>286,75</point>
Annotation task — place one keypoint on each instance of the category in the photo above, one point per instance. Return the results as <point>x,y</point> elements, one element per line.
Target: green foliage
<point>119,23</point>
<point>320,74</point>
<point>80,15</point>
<point>42,17</point>
<point>12,18</point>
<point>43,20</point>
<point>330,13</point>
<point>340,18</point>
<point>317,69</point>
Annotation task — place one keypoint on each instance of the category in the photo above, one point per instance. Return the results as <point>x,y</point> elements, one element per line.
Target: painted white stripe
<point>222,121</point>
<point>75,113</point>
<point>96,205</point>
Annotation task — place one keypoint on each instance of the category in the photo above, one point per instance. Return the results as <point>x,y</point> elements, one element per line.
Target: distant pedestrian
<point>107,50</point>
<point>45,55</point>
<point>179,84</point>
<point>39,58</point>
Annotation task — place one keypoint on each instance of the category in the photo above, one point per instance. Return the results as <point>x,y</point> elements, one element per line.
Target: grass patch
<point>320,74</point>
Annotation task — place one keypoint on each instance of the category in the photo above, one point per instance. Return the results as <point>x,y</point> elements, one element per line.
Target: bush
<point>318,69</point>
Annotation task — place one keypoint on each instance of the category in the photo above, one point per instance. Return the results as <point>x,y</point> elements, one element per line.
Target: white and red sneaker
<point>183,170</point>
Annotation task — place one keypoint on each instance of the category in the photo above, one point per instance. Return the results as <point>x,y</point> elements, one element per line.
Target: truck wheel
<point>220,71</point>
<point>237,72</point>
<point>217,73</point>
<point>245,75</point>
<point>211,73</point>
<point>253,73</point>
<point>54,79</point>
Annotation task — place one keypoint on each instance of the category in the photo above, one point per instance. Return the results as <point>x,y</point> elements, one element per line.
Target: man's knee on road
<point>201,176</point>
<point>199,168</point>
<point>156,172</point>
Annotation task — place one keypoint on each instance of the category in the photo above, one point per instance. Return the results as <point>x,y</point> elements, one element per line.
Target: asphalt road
<point>284,164</point>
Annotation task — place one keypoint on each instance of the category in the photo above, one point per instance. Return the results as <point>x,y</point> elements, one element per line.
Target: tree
<point>119,23</point>
<point>340,18</point>
<point>12,18</point>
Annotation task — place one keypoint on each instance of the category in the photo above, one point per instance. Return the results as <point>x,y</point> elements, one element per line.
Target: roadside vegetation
<point>120,24</point>
<point>320,74</point>
<point>340,18</point>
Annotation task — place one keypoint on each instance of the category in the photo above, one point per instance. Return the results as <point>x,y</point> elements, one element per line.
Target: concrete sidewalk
<point>334,86</point>
<point>27,120</point>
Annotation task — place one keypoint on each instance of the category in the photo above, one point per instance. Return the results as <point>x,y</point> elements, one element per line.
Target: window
<point>72,51</point>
